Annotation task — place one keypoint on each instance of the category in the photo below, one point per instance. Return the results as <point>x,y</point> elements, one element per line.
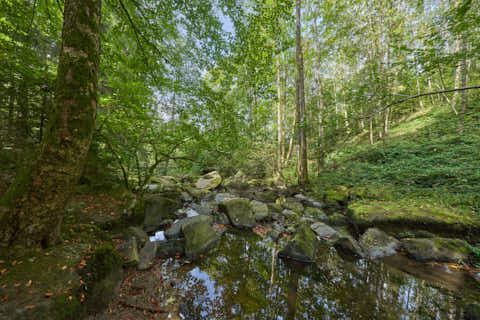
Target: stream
<point>242,278</point>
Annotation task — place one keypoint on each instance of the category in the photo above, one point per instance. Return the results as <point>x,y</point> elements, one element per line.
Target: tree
<point>32,209</point>
<point>300,93</point>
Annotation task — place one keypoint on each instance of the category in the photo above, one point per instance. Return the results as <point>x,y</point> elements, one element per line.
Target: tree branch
<point>368,116</point>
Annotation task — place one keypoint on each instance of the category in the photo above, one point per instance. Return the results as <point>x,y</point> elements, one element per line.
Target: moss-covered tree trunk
<point>32,209</point>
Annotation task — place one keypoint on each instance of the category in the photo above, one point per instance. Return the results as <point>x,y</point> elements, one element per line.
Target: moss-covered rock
<point>438,249</point>
<point>293,205</point>
<point>472,311</point>
<point>239,212</point>
<point>302,247</point>
<point>336,197</point>
<point>199,237</point>
<point>260,210</point>
<point>401,216</point>
<point>158,209</point>
<point>209,181</point>
<point>146,256</point>
<point>377,244</point>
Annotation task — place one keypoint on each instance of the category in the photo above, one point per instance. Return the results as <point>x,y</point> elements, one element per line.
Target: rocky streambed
<point>234,250</point>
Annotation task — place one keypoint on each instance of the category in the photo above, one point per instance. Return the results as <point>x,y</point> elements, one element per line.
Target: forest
<point>239,159</point>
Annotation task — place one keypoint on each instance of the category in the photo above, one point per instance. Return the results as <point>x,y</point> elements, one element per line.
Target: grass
<point>424,160</point>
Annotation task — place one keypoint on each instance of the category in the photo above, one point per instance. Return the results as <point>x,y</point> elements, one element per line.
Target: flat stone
<point>437,249</point>
<point>139,234</point>
<point>325,232</point>
<point>377,244</point>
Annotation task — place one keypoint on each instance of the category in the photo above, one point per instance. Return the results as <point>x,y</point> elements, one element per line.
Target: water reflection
<point>242,279</point>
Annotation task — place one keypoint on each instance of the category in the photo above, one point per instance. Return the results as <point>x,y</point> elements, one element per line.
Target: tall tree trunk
<point>302,150</point>
<point>32,209</point>
<point>464,84</point>
<point>279,119</point>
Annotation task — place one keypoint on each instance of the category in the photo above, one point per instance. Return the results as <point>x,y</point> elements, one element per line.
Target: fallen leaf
<point>49,294</point>
<point>64,268</point>
<point>29,283</point>
<point>29,307</point>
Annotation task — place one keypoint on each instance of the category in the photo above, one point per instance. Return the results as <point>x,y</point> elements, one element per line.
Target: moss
<point>436,219</point>
<point>67,307</point>
<point>105,269</point>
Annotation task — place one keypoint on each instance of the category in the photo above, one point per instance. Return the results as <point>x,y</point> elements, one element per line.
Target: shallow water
<point>243,279</point>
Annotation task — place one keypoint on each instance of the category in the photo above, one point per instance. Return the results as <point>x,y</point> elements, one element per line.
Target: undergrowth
<point>423,160</point>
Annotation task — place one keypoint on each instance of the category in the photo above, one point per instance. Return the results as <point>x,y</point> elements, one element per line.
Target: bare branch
<point>368,116</point>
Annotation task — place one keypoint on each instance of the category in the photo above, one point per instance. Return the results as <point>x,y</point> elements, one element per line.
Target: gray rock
<point>300,197</point>
<point>130,252</point>
<point>209,181</point>
<point>222,197</point>
<point>239,212</point>
<point>158,209</point>
<point>146,256</point>
<point>260,210</point>
<point>288,213</point>
<point>437,249</point>
<point>377,244</point>
<point>202,209</point>
<point>302,247</point>
<point>325,232</point>
<point>199,237</point>
<point>348,244</point>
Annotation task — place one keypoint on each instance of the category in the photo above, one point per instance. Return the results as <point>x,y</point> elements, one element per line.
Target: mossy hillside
<point>402,214</point>
<point>423,161</point>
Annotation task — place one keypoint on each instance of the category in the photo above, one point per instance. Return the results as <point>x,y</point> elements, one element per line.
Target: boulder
<point>176,230</point>
<point>377,244</point>
<point>239,212</point>
<point>129,252</point>
<point>146,256</point>
<point>209,181</point>
<point>157,210</point>
<point>437,249</point>
<point>347,243</point>
<point>199,237</point>
<point>302,247</point>
<point>325,232</point>
<point>260,210</point>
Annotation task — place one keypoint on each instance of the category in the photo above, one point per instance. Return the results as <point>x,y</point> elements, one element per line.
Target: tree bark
<point>279,120</point>
<point>32,209</point>
<point>302,141</point>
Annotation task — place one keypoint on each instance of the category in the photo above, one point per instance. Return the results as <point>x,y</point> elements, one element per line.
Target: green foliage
<point>425,159</point>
